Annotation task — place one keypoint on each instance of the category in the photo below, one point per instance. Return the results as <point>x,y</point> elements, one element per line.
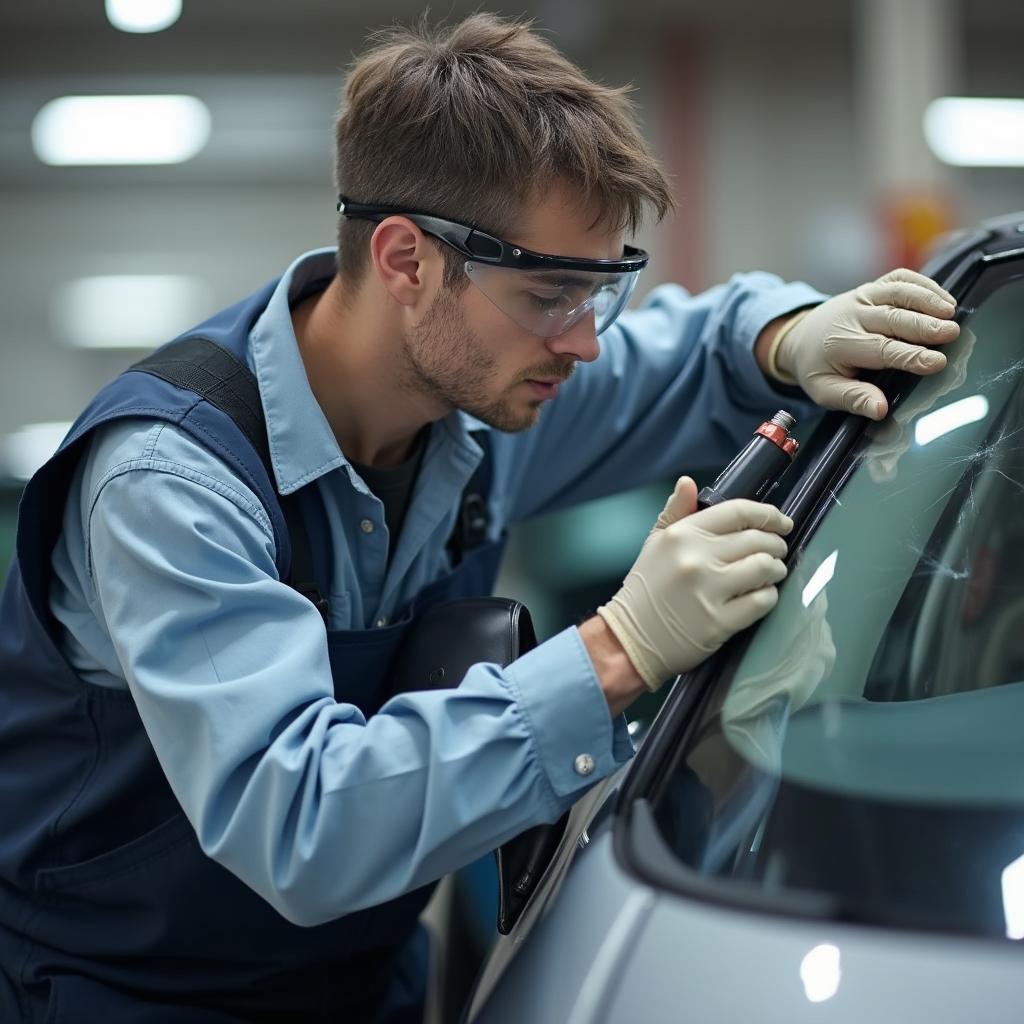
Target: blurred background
<point>824,140</point>
<point>814,139</point>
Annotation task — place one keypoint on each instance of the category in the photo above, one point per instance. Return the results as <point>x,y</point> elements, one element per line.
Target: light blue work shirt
<point>165,582</point>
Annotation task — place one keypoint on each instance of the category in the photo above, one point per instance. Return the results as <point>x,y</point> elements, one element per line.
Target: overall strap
<point>474,516</point>
<point>212,372</point>
<point>209,370</point>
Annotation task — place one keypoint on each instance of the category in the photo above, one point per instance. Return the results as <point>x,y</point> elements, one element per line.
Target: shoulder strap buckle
<point>473,517</point>
<point>473,521</point>
<point>311,592</point>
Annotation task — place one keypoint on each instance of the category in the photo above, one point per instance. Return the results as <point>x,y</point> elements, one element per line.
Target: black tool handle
<point>756,471</point>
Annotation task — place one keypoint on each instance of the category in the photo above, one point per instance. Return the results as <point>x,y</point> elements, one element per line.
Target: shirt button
<point>584,764</point>
<point>382,621</point>
<point>366,526</point>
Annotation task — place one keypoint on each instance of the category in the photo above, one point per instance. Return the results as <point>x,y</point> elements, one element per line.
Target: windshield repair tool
<point>758,468</point>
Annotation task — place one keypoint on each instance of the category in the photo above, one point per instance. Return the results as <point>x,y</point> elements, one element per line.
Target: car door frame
<point>972,267</point>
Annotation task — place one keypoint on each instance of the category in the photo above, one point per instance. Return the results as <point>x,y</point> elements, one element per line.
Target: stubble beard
<point>446,361</point>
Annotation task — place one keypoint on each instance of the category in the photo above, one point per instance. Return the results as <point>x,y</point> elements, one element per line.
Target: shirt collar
<point>302,444</point>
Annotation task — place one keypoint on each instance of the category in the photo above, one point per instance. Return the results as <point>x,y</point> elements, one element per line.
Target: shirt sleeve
<point>316,808</point>
<point>676,388</point>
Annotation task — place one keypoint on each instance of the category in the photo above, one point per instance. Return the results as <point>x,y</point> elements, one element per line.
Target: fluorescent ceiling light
<point>950,417</point>
<point>27,449</point>
<point>76,130</point>
<point>128,311</point>
<point>816,584</point>
<point>976,132</point>
<point>143,15</point>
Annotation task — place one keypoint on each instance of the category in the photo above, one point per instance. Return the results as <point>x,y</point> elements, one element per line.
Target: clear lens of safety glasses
<point>548,302</point>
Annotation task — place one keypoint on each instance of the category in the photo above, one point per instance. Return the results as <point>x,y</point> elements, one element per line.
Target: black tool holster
<point>438,651</point>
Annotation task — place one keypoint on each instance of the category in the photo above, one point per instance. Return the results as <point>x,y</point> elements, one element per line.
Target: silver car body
<point>622,928</point>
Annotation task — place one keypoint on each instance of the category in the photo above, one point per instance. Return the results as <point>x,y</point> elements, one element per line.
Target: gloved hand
<point>699,578</point>
<point>867,328</point>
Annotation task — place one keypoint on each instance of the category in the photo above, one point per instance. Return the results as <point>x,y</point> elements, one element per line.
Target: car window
<point>869,743</point>
<point>9,496</point>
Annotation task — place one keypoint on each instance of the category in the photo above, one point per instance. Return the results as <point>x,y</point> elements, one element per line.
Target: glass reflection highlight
<point>950,417</point>
<point>1013,898</point>
<point>820,972</point>
<point>816,584</point>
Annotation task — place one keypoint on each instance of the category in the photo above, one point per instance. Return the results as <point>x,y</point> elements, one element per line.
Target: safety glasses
<point>544,294</point>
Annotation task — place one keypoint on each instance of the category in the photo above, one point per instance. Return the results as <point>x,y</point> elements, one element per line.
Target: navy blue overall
<point>109,910</point>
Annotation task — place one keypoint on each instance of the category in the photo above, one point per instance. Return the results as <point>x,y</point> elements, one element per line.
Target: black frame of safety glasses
<point>485,248</point>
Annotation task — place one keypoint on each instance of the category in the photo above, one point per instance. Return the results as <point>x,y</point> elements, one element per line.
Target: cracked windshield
<point>871,741</point>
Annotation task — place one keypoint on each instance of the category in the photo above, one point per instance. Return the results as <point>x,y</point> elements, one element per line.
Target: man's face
<point>470,355</point>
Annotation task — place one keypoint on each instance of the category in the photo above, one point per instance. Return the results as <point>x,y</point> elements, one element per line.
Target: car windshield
<point>869,742</point>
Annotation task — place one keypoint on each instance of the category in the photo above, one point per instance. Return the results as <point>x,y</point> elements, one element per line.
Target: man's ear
<point>407,264</point>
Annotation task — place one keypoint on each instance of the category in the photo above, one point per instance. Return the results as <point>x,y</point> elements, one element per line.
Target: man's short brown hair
<point>471,122</point>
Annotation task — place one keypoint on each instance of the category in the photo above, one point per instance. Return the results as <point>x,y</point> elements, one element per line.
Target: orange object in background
<point>911,223</point>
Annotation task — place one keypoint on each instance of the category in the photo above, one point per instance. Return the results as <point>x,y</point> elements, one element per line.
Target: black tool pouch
<point>438,651</point>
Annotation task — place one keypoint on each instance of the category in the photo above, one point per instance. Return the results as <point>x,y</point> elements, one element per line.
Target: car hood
<point>611,948</point>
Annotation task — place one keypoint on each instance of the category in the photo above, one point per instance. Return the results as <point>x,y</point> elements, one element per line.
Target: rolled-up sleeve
<point>315,807</point>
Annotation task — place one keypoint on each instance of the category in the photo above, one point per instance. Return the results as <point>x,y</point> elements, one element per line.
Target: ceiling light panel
<point>96,130</point>
<point>969,132</point>
<point>143,15</point>
<point>128,310</point>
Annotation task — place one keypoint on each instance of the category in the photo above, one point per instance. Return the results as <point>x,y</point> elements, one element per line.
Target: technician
<point>215,807</point>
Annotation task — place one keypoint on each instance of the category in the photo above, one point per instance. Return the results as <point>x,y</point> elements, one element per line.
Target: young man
<point>216,807</point>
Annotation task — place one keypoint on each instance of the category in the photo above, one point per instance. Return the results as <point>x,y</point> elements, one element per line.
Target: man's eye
<point>545,301</point>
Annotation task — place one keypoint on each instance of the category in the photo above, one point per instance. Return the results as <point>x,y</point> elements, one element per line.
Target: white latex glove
<point>699,578</point>
<point>868,328</point>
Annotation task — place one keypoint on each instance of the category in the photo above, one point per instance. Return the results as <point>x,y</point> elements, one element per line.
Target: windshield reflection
<point>869,740</point>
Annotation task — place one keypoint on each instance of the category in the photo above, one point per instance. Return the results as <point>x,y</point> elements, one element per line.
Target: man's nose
<point>580,341</point>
